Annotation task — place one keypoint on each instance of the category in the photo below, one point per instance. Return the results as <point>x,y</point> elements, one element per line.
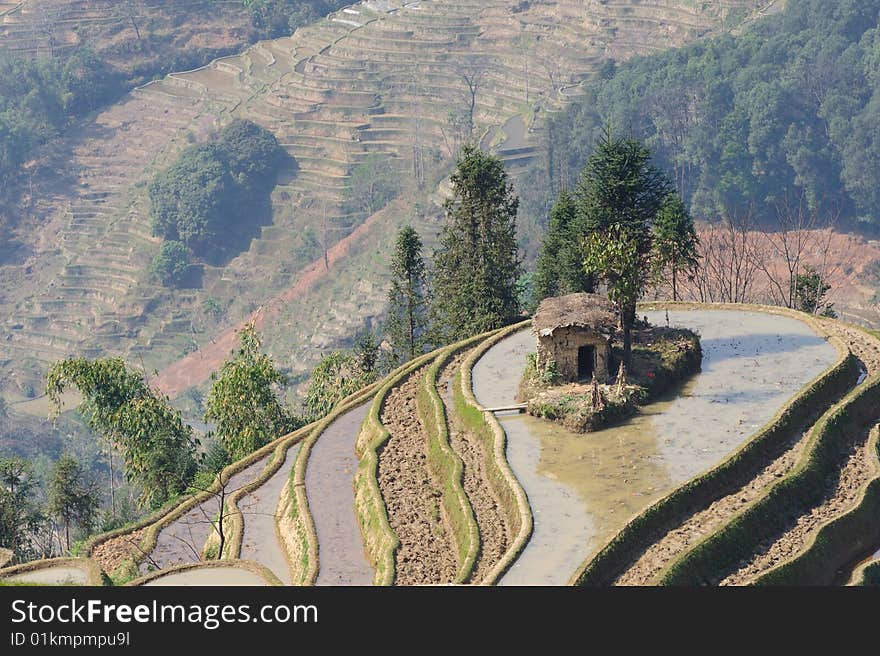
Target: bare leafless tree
<point>789,240</point>
<point>730,261</point>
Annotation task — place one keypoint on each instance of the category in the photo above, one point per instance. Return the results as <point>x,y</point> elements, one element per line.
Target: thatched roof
<point>589,311</point>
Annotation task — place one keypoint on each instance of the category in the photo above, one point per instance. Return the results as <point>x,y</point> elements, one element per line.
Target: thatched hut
<point>576,332</point>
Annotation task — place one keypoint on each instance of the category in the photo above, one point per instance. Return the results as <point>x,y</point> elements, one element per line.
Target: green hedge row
<point>447,468</point>
<point>839,541</point>
<point>770,515</point>
<point>699,493</point>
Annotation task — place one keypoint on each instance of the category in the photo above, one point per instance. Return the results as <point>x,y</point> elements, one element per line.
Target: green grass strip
<point>447,467</point>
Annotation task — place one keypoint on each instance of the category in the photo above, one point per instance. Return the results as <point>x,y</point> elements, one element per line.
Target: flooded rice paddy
<point>210,576</point>
<point>330,490</point>
<point>584,488</point>
<point>62,575</point>
<point>259,540</point>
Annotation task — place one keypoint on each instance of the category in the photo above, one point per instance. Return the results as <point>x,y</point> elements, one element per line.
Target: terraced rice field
<point>763,468</point>
<point>375,80</point>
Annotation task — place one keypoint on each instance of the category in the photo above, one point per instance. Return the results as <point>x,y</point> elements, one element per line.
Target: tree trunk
<point>674,288</point>
<point>112,485</point>
<point>628,316</point>
<point>67,534</point>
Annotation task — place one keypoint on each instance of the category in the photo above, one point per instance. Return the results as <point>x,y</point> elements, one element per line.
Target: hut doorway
<point>586,362</point>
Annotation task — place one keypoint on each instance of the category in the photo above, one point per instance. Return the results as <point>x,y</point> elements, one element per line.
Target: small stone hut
<point>576,331</point>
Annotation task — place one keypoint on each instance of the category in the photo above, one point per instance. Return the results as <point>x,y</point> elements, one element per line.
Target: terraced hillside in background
<point>151,29</point>
<point>370,83</point>
<point>414,481</point>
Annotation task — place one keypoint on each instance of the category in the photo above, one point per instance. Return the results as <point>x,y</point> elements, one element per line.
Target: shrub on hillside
<point>171,264</point>
<point>215,193</point>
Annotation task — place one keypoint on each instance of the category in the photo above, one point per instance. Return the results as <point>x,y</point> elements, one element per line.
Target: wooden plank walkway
<point>520,407</point>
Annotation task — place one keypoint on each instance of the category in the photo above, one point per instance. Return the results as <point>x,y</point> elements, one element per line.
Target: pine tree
<point>477,264</point>
<point>675,241</point>
<point>560,267</point>
<point>619,196</point>
<point>407,297</point>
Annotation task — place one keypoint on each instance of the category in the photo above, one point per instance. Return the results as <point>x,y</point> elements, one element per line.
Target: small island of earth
<point>581,377</point>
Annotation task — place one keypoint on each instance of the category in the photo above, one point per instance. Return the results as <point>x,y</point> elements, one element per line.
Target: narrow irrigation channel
<point>584,488</point>
<point>329,486</point>
<point>259,541</point>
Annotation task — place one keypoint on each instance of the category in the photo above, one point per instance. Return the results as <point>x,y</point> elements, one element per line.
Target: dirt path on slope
<point>196,367</point>
<point>427,551</point>
<point>491,521</point>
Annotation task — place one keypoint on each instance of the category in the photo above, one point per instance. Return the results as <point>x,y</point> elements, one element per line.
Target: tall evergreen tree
<point>619,196</point>
<point>407,297</point>
<point>477,264</point>
<point>675,241</point>
<point>560,267</point>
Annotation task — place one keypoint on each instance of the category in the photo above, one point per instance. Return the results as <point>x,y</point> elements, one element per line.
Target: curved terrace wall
<point>485,426</point>
<point>91,572</point>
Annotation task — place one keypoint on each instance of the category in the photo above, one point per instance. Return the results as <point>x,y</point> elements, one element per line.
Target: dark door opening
<point>586,362</point>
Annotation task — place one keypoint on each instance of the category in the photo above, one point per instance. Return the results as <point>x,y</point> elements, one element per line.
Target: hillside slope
<point>369,86</point>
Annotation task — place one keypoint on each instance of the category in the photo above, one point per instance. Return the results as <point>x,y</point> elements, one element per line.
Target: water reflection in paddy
<point>583,488</point>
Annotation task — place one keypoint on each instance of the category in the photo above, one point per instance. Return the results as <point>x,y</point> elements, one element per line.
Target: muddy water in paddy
<point>53,576</point>
<point>260,539</point>
<point>584,488</point>
<point>211,576</point>
<point>183,539</point>
<point>330,490</point>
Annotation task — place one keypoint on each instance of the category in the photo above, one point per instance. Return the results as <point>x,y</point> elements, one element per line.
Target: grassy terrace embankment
<point>444,465</point>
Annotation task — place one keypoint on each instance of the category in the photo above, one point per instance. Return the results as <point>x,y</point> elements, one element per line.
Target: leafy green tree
<point>73,499</point>
<point>619,197</point>
<point>156,446</point>
<point>675,241</point>
<point>407,297</point>
<point>560,268</point>
<point>243,403</point>
<point>477,263</point>
<point>171,263</point>
<point>203,197</point>
<point>789,106</point>
<point>20,516</point>
<point>336,377</point>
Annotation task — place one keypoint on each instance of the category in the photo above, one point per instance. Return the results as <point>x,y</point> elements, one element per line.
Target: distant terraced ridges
<point>26,25</point>
<point>372,79</point>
